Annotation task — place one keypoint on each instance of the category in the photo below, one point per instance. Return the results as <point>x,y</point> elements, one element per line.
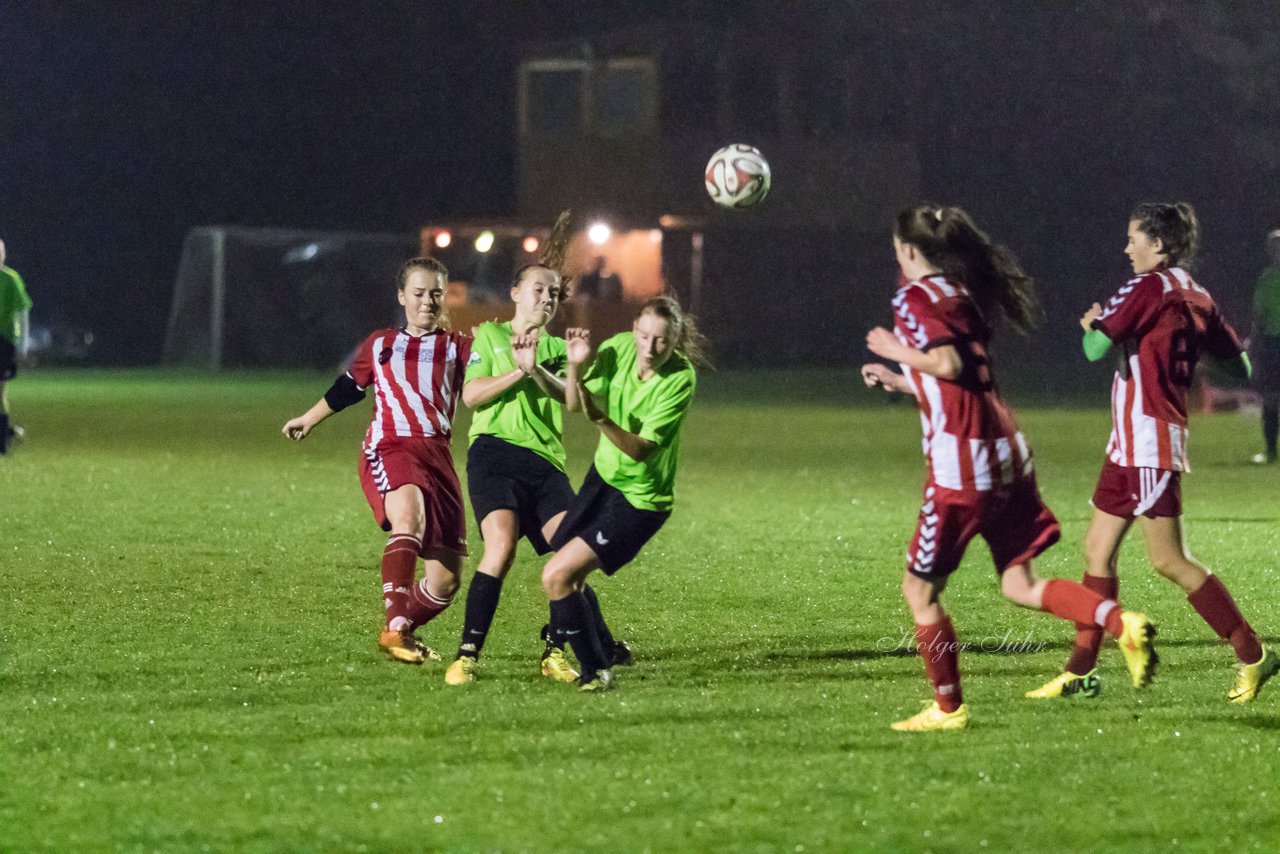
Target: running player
<point>1162,319</point>
<point>1266,348</point>
<point>15,307</point>
<point>406,469</point>
<point>636,391</point>
<point>516,463</point>
<point>980,479</point>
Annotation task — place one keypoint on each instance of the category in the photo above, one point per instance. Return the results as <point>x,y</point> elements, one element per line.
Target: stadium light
<point>530,244</point>
<point>484,241</point>
<point>443,239</point>
<point>599,233</point>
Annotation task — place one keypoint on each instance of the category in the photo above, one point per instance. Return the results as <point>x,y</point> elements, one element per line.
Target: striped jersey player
<point>980,480</point>
<point>406,467</point>
<point>1160,322</point>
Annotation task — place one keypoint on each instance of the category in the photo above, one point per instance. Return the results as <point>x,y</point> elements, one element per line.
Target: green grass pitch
<point>188,663</point>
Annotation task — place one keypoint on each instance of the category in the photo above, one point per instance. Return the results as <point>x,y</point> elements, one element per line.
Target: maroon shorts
<point>1129,492</point>
<point>1013,520</point>
<point>428,465</point>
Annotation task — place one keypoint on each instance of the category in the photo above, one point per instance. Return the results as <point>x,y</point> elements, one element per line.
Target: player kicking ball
<point>406,468</point>
<point>980,475</point>
<point>636,391</point>
<point>1162,320</point>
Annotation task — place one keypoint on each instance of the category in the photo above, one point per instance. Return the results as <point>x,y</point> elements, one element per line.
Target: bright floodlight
<point>530,244</point>
<point>484,241</point>
<point>443,239</point>
<point>599,233</point>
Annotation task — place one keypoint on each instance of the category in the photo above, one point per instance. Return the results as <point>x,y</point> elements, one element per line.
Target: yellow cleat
<point>557,667</point>
<point>462,671</point>
<point>932,719</point>
<point>602,682</point>
<point>402,645</point>
<point>1136,642</point>
<point>1251,677</point>
<point>1069,685</point>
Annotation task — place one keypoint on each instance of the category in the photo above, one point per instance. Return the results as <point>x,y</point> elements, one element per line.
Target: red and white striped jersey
<point>416,381</point>
<point>1162,320</point>
<point>971,440</point>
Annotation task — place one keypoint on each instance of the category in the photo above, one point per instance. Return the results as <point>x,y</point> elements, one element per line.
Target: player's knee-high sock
<point>1084,655</point>
<point>399,559</point>
<point>4,433</point>
<point>602,630</point>
<point>425,606</point>
<point>1213,602</point>
<point>1073,601</point>
<point>482,603</point>
<point>941,653</point>
<point>572,621</point>
<point>1270,425</point>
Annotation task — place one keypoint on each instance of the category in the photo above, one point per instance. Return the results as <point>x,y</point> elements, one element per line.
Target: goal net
<point>280,298</point>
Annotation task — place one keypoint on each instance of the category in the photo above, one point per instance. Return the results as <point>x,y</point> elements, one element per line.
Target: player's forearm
<point>550,384</point>
<point>317,413</point>
<point>629,443</point>
<point>897,382</point>
<point>941,362</point>
<point>481,390</point>
<point>573,390</point>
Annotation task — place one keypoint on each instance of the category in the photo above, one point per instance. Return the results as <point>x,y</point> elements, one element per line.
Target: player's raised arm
<point>343,393</point>
<point>942,362</point>
<point>577,359</point>
<point>525,350</point>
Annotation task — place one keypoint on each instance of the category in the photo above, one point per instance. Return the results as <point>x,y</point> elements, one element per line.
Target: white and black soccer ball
<point>738,176</point>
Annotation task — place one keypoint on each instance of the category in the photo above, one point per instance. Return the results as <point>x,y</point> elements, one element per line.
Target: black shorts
<point>615,529</point>
<point>503,476</point>
<point>1266,367</point>
<point>8,360</point>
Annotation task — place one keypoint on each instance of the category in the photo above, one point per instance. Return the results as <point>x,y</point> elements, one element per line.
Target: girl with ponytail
<point>955,284</point>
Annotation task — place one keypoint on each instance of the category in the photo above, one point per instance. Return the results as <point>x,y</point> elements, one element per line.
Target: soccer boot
<point>1068,685</point>
<point>621,656</point>
<point>1136,642</point>
<point>556,666</point>
<point>598,683</point>
<point>403,646</point>
<point>462,671</point>
<point>933,719</point>
<point>1251,677</point>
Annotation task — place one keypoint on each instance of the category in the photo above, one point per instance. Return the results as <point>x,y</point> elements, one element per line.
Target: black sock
<point>572,621</point>
<point>4,434</point>
<point>1270,425</point>
<point>602,631</point>
<point>482,602</point>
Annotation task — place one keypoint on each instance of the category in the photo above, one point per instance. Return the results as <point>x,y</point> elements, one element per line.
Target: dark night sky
<point>124,124</point>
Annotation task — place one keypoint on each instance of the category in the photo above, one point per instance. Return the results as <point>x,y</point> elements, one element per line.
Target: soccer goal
<point>281,298</point>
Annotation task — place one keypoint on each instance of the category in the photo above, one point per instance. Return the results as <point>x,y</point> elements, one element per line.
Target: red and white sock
<point>399,560</point>
<point>1073,601</point>
<point>1213,602</point>
<point>425,606</point>
<point>941,653</point>
<point>1084,655</point>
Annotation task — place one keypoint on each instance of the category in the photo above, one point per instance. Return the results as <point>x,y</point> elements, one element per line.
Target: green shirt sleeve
<point>602,369</point>
<point>481,362</point>
<point>1096,344</point>
<point>663,423</point>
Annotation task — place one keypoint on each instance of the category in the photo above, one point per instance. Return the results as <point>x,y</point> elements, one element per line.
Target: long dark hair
<point>1175,225</point>
<point>951,241</point>
<point>690,342</point>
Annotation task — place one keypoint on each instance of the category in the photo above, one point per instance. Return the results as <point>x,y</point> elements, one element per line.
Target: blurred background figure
<point>15,307</point>
<point>1266,346</point>
<point>599,283</point>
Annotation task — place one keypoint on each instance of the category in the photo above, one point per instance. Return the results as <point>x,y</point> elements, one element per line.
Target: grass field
<point>188,638</point>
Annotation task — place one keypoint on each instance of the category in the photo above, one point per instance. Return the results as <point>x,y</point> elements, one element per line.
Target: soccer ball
<point>737,176</point>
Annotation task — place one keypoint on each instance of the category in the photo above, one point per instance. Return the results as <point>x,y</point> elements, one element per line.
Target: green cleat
<point>1068,685</point>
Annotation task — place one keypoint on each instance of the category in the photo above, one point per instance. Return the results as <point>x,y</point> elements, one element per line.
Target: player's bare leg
<point>940,650</point>
<point>1213,602</point>
<point>572,617</point>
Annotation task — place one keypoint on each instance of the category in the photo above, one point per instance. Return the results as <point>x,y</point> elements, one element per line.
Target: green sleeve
<point>602,369</point>
<point>553,358</point>
<point>1096,344</point>
<point>1240,368</point>
<point>481,362</point>
<point>662,424</point>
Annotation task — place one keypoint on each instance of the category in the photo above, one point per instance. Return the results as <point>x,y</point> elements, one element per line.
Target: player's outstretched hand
<point>525,350</point>
<point>296,428</point>
<point>884,344</point>
<point>875,374</point>
<point>577,344</point>
<point>1087,319</point>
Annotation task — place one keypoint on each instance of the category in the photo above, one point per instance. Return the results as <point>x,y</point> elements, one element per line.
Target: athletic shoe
<point>557,667</point>
<point>16,433</point>
<point>1136,642</point>
<point>599,683</point>
<point>462,671</point>
<point>932,719</point>
<point>1251,677</point>
<point>1069,685</point>
<point>621,655</point>
<point>403,646</point>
